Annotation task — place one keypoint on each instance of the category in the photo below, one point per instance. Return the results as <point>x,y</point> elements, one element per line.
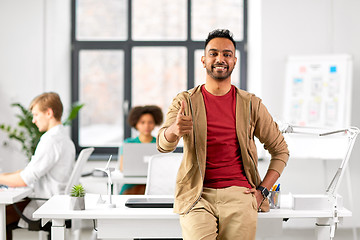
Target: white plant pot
<point>77,203</point>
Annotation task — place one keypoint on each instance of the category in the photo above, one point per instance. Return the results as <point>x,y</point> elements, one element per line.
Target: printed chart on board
<point>318,91</point>
<point>318,95</point>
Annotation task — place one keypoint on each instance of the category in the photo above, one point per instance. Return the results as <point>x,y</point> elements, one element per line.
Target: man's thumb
<point>182,108</point>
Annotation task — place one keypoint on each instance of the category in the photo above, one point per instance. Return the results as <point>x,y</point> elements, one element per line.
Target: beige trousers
<point>223,214</point>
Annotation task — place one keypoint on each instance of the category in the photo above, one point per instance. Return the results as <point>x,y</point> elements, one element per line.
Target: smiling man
<point>220,59</point>
<point>50,167</point>
<point>218,186</point>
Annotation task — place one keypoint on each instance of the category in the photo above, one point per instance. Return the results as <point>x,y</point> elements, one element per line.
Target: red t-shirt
<point>224,166</point>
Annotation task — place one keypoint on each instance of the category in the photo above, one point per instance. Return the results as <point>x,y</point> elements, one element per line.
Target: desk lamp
<point>351,133</point>
<point>333,187</point>
<point>108,171</point>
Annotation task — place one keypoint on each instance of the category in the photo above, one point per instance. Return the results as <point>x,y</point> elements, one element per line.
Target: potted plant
<point>77,197</point>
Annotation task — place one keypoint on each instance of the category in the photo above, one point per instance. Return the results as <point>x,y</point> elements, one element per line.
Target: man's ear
<point>49,112</point>
<point>203,61</point>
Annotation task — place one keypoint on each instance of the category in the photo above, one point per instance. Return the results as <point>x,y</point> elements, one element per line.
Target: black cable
<point>94,225</point>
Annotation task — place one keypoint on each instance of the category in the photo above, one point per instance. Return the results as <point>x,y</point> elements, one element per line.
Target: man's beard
<point>216,76</point>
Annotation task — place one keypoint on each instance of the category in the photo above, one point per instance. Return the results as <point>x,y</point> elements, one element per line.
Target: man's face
<point>40,119</point>
<point>219,59</point>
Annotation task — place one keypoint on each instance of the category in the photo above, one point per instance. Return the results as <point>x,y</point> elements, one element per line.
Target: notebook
<point>149,202</point>
<point>133,158</point>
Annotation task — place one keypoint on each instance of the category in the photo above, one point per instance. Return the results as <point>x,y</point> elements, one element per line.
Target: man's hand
<point>12,179</point>
<point>257,194</point>
<point>269,180</point>
<point>182,125</point>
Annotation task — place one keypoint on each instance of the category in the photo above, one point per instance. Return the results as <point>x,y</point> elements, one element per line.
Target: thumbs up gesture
<point>182,125</point>
<point>182,109</point>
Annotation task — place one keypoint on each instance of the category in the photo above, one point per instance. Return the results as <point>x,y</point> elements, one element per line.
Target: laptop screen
<point>134,164</point>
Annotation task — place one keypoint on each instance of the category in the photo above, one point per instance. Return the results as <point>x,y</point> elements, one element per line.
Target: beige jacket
<point>252,119</point>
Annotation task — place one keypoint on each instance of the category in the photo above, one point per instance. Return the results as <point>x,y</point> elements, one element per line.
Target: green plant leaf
<point>27,132</point>
<point>29,136</point>
<point>75,108</point>
<point>77,191</point>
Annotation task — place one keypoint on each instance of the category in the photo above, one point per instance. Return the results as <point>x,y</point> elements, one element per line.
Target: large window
<point>140,52</point>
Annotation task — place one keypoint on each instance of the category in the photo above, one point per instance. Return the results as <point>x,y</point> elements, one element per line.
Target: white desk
<point>117,178</point>
<point>123,222</point>
<point>10,196</point>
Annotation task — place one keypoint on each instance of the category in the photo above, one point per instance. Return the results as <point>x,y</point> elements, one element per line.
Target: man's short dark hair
<point>220,33</point>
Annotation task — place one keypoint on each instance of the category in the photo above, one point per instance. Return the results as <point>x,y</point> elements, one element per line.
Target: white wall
<point>35,57</point>
<point>278,28</point>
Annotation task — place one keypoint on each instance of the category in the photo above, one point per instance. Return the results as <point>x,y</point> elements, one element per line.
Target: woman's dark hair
<point>136,113</point>
<point>220,33</point>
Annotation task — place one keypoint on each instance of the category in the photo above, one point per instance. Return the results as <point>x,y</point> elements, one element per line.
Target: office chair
<point>162,171</point>
<point>35,225</point>
<point>161,178</point>
<point>78,168</point>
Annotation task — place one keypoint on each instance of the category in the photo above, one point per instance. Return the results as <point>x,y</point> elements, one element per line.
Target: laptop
<point>149,202</point>
<point>133,158</point>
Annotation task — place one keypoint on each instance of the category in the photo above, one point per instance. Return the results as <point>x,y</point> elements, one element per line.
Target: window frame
<point>127,46</point>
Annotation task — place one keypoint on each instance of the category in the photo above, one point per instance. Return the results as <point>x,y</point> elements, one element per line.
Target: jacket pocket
<point>254,202</point>
<point>184,176</point>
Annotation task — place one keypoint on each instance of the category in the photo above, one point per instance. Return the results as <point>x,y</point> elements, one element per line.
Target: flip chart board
<point>318,91</point>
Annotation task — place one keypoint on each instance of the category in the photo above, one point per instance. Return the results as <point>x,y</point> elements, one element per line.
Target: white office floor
<point>288,234</point>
